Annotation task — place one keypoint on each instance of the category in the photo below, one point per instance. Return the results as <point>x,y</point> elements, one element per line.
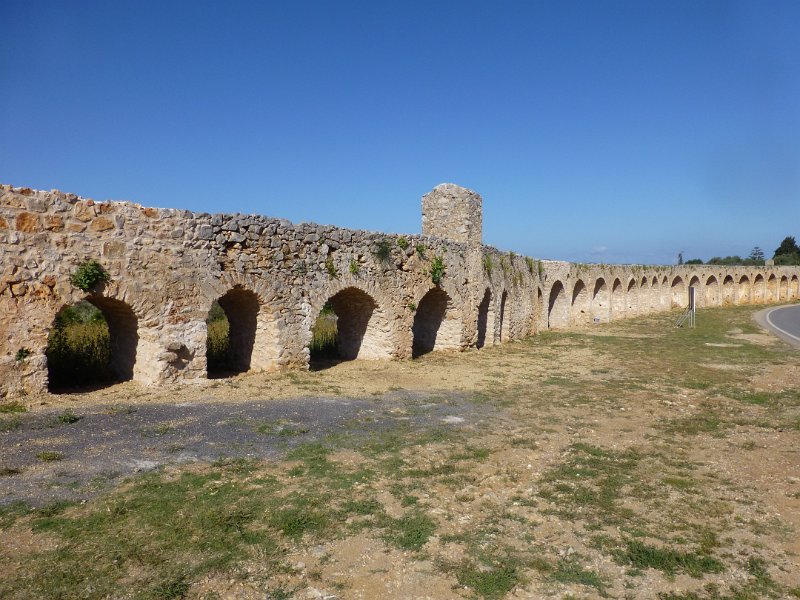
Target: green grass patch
<point>668,560</point>
<point>14,406</point>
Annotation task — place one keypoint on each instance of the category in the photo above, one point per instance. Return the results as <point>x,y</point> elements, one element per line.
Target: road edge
<point>761,317</point>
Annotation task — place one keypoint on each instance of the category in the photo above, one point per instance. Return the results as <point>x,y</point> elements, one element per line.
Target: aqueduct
<point>272,278</point>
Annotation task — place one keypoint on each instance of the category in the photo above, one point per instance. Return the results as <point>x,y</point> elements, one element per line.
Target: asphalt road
<point>785,322</point>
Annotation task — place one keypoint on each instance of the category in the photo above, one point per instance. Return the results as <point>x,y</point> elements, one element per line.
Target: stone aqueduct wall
<point>273,277</point>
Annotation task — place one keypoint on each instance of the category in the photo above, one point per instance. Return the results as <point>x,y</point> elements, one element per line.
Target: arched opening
<point>617,300</point>
<point>680,297</point>
<point>654,294</point>
<point>631,297</point>
<point>727,291</point>
<point>772,288</point>
<point>600,300</point>
<point>783,289</point>
<point>92,343</point>
<point>794,288</point>
<point>557,307</point>
<point>743,295</point>
<point>644,296</point>
<point>759,289</point>
<point>485,320</point>
<point>502,334</point>
<point>436,324</point>
<point>694,282</point>
<point>580,304</point>
<point>712,291</point>
<point>231,333</point>
<point>350,325</point>
<point>538,312</point>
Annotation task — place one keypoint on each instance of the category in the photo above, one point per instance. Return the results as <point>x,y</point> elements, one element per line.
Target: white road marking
<point>771,324</point>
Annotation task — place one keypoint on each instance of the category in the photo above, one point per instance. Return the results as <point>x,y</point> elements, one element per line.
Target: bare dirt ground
<point>630,460</point>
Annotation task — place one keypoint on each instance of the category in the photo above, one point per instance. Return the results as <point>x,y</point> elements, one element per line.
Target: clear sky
<point>596,131</point>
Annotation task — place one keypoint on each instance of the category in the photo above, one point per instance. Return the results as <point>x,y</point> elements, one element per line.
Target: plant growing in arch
<point>383,251</point>
<point>487,263</point>
<point>331,268</point>
<point>89,274</point>
<point>354,267</point>
<point>437,269</point>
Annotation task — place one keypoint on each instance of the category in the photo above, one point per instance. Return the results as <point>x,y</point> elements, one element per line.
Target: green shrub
<point>487,263</point>
<point>437,270</point>
<point>22,354</point>
<point>402,242</point>
<point>420,248</point>
<point>354,267</point>
<point>331,268</point>
<point>383,251</point>
<point>88,275</point>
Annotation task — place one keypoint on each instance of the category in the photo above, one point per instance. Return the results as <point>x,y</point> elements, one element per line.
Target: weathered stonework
<point>273,277</point>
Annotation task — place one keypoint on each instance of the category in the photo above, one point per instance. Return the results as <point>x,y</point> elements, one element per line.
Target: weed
<point>383,251</point>
<point>437,270</point>
<point>22,354</point>
<point>68,417</point>
<point>50,455</point>
<point>331,268</point>
<point>487,263</point>
<point>421,249</point>
<point>402,242</point>
<point>15,406</point>
<point>531,264</point>
<point>411,531</point>
<point>354,266</point>
<point>412,306</point>
<point>670,561</point>
<point>494,582</point>
<point>88,275</point>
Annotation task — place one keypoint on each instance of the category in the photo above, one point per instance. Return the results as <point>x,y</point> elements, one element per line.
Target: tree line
<point>788,253</point>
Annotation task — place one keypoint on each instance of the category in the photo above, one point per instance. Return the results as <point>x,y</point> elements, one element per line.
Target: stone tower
<point>452,212</point>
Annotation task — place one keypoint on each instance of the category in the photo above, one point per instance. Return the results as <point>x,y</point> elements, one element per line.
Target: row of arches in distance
<point>94,342</point>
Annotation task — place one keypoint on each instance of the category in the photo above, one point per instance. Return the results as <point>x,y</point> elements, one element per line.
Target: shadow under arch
<point>232,335</point>
<point>436,324</point>
<point>352,322</point>
<point>485,320</point>
<point>97,349</point>
<point>557,307</point>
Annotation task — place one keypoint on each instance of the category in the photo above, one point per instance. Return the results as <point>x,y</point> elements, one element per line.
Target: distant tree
<point>788,246</point>
<point>680,258</point>
<point>757,255</point>
<point>788,259</point>
<point>728,260</point>
<point>694,261</point>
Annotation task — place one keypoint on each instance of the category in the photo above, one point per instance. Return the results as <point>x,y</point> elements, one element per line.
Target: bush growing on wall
<point>88,275</point>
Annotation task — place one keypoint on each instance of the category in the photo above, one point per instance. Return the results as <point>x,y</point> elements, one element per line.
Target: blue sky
<point>596,131</point>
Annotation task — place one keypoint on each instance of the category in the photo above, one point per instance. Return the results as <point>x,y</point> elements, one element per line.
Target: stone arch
<point>361,326</point>
<point>485,320</point>
<point>694,282</point>
<point>759,289</point>
<point>772,288</point>
<point>601,300</point>
<point>711,295</point>
<point>581,314</point>
<point>644,296</point>
<point>794,288</point>
<point>617,300</point>
<point>743,295</point>
<point>235,355</point>
<point>557,307</point>
<point>630,297</point>
<point>437,325</point>
<point>123,341</point>
<point>783,288</point>
<point>728,292</point>
<point>502,328</point>
<point>655,295</point>
<point>679,295</point>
